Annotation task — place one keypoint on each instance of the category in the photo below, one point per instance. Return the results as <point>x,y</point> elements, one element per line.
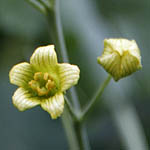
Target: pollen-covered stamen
<point>46,76</point>
<point>38,76</point>
<point>43,84</point>
<point>34,84</point>
<point>50,84</point>
<point>42,91</point>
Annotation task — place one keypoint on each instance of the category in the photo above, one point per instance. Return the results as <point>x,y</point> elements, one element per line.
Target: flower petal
<point>111,63</point>
<point>23,100</point>
<point>21,74</point>
<point>54,105</point>
<point>69,75</point>
<point>44,58</point>
<point>130,64</point>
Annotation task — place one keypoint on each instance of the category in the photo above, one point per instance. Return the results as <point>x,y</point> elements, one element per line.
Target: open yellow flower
<point>43,81</point>
<point>120,57</point>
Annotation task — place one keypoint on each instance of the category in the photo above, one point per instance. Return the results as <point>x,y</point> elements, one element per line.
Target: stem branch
<point>71,109</point>
<point>96,97</point>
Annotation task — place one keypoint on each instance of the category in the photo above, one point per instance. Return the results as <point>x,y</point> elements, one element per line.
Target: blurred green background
<point>120,121</point>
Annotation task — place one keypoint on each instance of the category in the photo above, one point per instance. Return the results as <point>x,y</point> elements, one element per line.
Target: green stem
<point>71,109</point>
<point>82,136</point>
<point>57,36</point>
<point>74,130</point>
<point>68,124</point>
<point>96,97</point>
<point>37,5</point>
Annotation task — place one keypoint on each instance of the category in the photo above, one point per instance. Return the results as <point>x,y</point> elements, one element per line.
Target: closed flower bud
<point>120,58</point>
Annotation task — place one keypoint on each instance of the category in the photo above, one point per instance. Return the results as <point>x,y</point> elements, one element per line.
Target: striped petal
<point>44,58</point>
<point>21,74</point>
<point>54,105</point>
<point>129,64</point>
<point>23,100</point>
<point>69,75</point>
<point>111,63</point>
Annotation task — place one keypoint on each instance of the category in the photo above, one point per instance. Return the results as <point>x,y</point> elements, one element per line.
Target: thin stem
<point>44,4</point>
<point>37,5</point>
<point>57,36</point>
<point>78,139</point>
<point>96,97</point>
<point>68,124</point>
<point>71,109</point>
<point>82,136</point>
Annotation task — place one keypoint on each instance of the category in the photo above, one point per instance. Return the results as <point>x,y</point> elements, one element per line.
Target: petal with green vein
<point>54,105</point>
<point>21,74</point>
<point>23,100</point>
<point>69,75</point>
<point>44,58</point>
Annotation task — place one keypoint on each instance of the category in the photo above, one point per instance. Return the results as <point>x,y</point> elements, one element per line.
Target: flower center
<point>43,84</point>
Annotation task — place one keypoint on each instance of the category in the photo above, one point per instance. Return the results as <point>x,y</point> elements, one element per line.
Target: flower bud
<point>120,57</point>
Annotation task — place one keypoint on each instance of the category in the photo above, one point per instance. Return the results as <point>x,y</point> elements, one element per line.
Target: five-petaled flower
<point>43,81</point>
<point>120,57</point>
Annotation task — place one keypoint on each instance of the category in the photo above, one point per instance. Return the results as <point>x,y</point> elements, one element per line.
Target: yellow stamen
<point>50,84</point>
<point>42,84</point>
<point>42,91</point>
<point>33,84</point>
<point>38,76</point>
<point>46,76</point>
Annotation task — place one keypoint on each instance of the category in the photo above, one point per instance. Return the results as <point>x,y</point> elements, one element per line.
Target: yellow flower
<point>43,81</point>
<point>120,57</point>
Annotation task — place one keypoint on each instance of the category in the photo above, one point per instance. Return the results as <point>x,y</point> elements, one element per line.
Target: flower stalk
<point>96,97</point>
<point>71,109</point>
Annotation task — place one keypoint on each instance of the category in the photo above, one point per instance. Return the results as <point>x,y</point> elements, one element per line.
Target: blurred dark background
<point>120,121</point>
